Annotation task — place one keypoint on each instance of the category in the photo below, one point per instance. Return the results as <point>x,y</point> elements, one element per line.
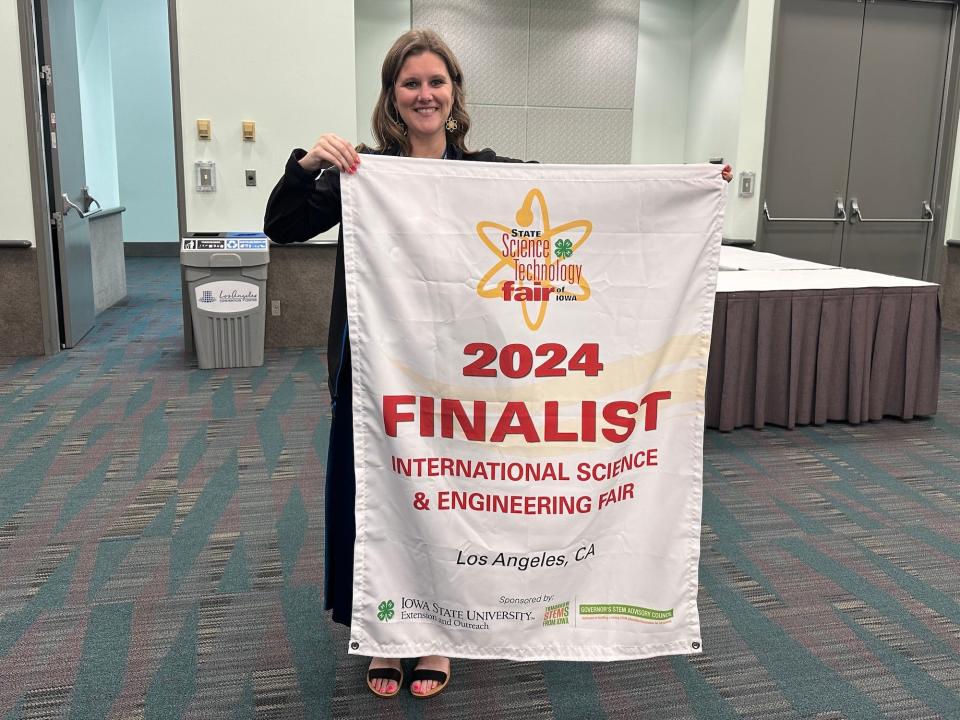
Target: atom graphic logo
<point>532,280</point>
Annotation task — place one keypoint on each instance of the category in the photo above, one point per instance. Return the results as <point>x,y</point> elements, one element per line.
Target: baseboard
<point>151,249</point>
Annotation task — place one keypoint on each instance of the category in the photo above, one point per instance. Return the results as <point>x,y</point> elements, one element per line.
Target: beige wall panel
<point>573,135</point>
<point>583,53</point>
<point>490,40</point>
<point>504,129</point>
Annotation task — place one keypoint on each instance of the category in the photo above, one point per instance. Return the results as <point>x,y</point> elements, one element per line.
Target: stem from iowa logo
<point>534,260</point>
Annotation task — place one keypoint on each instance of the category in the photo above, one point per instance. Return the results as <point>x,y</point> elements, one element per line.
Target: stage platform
<point>799,343</point>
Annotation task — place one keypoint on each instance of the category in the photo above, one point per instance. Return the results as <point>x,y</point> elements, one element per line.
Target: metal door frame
<point>934,254</point>
<point>177,127</point>
<point>188,345</point>
<point>39,175</point>
<point>934,257</point>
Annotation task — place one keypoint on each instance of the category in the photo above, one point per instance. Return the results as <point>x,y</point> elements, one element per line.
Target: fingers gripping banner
<point>529,349</point>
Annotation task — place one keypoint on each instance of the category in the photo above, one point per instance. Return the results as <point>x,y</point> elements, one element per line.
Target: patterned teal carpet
<point>161,555</point>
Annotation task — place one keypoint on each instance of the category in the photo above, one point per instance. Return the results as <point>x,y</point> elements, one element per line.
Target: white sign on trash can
<point>227,296</point>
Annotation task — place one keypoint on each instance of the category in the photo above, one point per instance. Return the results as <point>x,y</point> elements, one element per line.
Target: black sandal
<point>435,675</point>
<point>385,673</point>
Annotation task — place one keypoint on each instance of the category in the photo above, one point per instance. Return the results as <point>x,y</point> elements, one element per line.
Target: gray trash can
<point>226,281</point>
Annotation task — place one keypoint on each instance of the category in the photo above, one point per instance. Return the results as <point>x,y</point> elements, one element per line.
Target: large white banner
<point>529,350</point>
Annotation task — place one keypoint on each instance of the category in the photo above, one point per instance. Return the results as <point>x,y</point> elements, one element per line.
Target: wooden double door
<point>855,133</point>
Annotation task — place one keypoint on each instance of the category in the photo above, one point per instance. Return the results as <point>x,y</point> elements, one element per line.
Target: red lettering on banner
<point>391,416</point>
<point>451,408</point>
<point>612,414</point>
<point>506,427</point>
<point>468,418</point>
<point>651,400</point>
<point>551,422</point>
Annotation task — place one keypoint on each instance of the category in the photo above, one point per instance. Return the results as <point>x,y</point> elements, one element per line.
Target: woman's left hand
<point>727,173</point>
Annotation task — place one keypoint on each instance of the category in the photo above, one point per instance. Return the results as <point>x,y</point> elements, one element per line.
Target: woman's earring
<point>452,123</point>
<point>395,116</point>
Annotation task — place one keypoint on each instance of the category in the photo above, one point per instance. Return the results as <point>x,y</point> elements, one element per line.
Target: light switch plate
<point>251,177</point>
<point>206,176</point>
<point>747,184</point>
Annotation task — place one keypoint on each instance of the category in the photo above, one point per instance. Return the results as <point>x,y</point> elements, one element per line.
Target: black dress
<point>301,206</point>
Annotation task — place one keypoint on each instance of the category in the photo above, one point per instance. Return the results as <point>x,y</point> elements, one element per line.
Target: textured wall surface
<point>301,278</point>
<point>548,80</point>
<point>950,289</point>
<point>21,326</point>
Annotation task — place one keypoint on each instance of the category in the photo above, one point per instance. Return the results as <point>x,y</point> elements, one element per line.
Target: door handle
<point>87,199</point>
<point>926,215</point>
<point>839,215</point>
<point>69,205</point>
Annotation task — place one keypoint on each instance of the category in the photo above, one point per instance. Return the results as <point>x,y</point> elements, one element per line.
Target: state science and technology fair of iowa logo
<point>536,262</point>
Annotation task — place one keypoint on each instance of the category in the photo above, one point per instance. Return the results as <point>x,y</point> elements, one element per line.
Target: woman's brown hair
<point>388,130</point>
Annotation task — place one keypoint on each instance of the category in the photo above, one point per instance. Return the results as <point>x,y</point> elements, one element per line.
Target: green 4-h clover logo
<point>564,248</point>
<point>385,611</point>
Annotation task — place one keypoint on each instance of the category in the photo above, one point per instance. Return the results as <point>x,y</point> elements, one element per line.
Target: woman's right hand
<point>333,150</point>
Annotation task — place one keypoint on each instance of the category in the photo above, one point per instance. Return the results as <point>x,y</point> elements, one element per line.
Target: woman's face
<point>423,94</point>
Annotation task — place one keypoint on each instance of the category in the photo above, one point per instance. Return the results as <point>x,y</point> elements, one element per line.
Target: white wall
<point>663,81</point>
<point>378,23</point>
<point>716,73</point>
<point>742,213</point>
<point>143,119</point>
<point>96,100</point>
<point>952,229</point>
<point>288,66</point>
<point>716,80</point>
<point>127,105</point>
<point>16,197</point>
